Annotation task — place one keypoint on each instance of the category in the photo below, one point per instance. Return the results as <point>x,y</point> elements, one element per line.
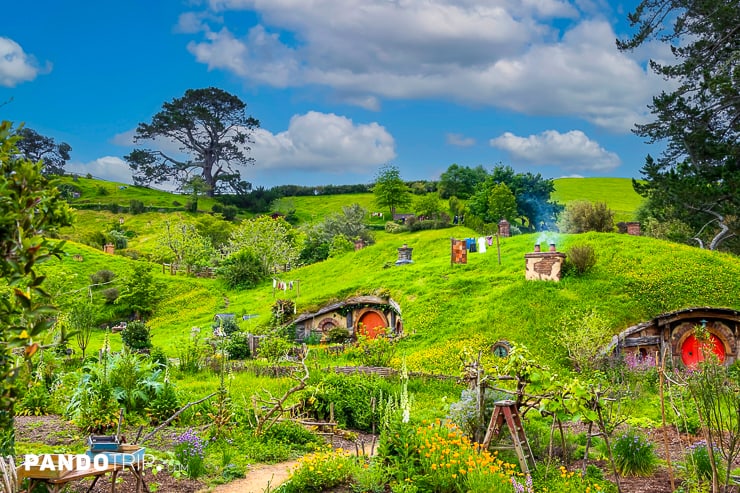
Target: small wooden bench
<point>55,485</point>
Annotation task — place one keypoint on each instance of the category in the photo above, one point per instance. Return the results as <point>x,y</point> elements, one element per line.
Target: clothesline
<point>279,284</point>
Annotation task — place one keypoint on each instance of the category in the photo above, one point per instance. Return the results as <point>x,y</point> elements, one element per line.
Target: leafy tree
<point>195,187</point>
<point>242,269</point>
<point>213,131</point>
<point>36,147</point>
<point>137,336</point>
<point>273,241</point>
<point>140,292</point>
<point>390,190</point>
<point>82,316</point>
<point>696,178</point>
<point>30,208</point>
<point>532,194</point>
<point>215,229</point>
<point>460,181</point>
<point>428,206</point>
<point>350,224</point>
<point>186,244</point>
<point>322,240</point>
<point>493,201</point>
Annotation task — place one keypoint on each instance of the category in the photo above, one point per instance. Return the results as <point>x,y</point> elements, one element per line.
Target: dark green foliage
<point>696,178</point>
<point>102,191</point>
<point>389,189</point>
<point>110,295</point>
<point>351,395</point>
<point>136,336</point>
<point>136,207</point>
<point>580,258</point>
<point>35,401</point>
<point>217,208</point>
<point>581,216</point>
<point>164,405</point>
<point>460,181</point>
<point>158,356</point>
<point>229,326</point>
<point>36,147</point>
<point>237,345</point>
<point>199,119</point>
<point>140,292</point>
<point>337,335</point>
<point>229,212</point>
<point>102,276</point>
<point>289,433</point>
<point>242,270</point>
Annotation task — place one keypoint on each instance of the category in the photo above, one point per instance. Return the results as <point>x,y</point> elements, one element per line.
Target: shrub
<point>242,269</point>
<point>229,326</point>
<point>158,357</point>
<point>217,208</point>
<point>698,465</point>
<point>137,336</point>
<point>230,212</point>
<point>291,433</point>
<point>394,227</point>
<point>237,345</point>
<point>36,401</point>
<point>110,295</point>
<point>164,405</point>
<point>192,357</point>
<point>102,276</point>
<point>101,190</point>
<point>337,335</point>
<point>136,207</point>
<point>634,455</point>
<point>374,352</point>
<point>119,239</point>
<point>583,336</point>
<point>190,453</point>
<point>581,258</point>
<point>581,216</point>
<point>320,471</point>
<point>274,349</point>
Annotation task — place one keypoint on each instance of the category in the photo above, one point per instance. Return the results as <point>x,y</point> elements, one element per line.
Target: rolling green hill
<point>446,307</point>
<point>616,192</point>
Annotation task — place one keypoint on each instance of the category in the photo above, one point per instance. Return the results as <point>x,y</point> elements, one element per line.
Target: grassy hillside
<point>445,307</point>
<point>616,192</point>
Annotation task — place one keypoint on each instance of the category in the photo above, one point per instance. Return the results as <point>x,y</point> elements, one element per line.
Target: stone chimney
<point>543,266</point>
<point>404,255</point>
<point>504,228</point>
<point>359,244</point>
<point>633,229</point>
<point>109,248</point>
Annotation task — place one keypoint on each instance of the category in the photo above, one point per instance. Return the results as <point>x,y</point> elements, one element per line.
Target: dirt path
<point>259,478</point>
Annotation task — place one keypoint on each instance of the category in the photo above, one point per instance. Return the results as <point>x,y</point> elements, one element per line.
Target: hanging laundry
<point>489,240</point>
<point>274,283</point>
<point>470,242</point>
<point>290,285</point>
<point>482,244</point>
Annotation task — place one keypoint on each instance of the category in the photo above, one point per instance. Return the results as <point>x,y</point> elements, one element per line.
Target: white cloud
<point>472,52</point>
<point>572,151</point>
<point>109,168</point>
<point>459,140</point>
<point>323,142</point>
<point>16,66</point>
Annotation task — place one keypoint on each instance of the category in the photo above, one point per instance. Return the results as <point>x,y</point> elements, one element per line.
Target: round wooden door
<point>692,354</point>
<point>371,324</point>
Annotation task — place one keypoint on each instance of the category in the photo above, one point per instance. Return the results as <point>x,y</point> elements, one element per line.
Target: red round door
<point>692,354</point>
<point>371,324</point>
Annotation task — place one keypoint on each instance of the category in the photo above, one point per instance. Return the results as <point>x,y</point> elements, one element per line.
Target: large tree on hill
<point>212,130</point>
<point>390,190</point>
<point>36,147</point>
<point>696,178</point>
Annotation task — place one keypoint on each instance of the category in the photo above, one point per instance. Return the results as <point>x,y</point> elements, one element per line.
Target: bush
<point>101,190</point>
<point>321,471</point>
<point>580,258</point>
<point>110,295</point>
<point>136,207</point>
<point>698,465</point>
<point>374,352</point>
<point>217,208</point>
<point>102,276</point>
<point>290,433</point>
<point>136,336</point>
<point>237,345</point>
<point>119,239</point>
<point>164,405</point>
<point>634,455</point>
<point>337,335</point>
<point>581,216</point>
<point>394,227</point>
<point>274,349</point>
<point>230,212</point>
<point>242,269</point>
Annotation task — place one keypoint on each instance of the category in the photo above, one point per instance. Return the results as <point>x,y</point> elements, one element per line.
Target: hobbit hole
<point>675,333</point>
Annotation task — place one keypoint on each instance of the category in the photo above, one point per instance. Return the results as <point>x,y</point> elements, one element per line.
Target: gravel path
<point>259,478</point>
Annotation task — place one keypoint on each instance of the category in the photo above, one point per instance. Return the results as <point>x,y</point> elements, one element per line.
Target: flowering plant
<point>190,453</point>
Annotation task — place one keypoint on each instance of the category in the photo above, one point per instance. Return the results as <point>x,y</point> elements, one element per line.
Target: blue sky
<point>341,87</point>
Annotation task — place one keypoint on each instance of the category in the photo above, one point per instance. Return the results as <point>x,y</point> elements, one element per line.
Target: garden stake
<point>662,412</point>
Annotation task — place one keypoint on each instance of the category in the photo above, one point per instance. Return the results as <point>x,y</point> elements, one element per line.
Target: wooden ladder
<point>507,412</point>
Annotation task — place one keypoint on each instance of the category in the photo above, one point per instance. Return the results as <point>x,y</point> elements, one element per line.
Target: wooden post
<point>498,249</point>
<point>662,412</point>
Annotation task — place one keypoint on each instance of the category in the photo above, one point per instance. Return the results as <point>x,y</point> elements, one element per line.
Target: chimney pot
<point>536,247</point>
<point>552,247</point>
